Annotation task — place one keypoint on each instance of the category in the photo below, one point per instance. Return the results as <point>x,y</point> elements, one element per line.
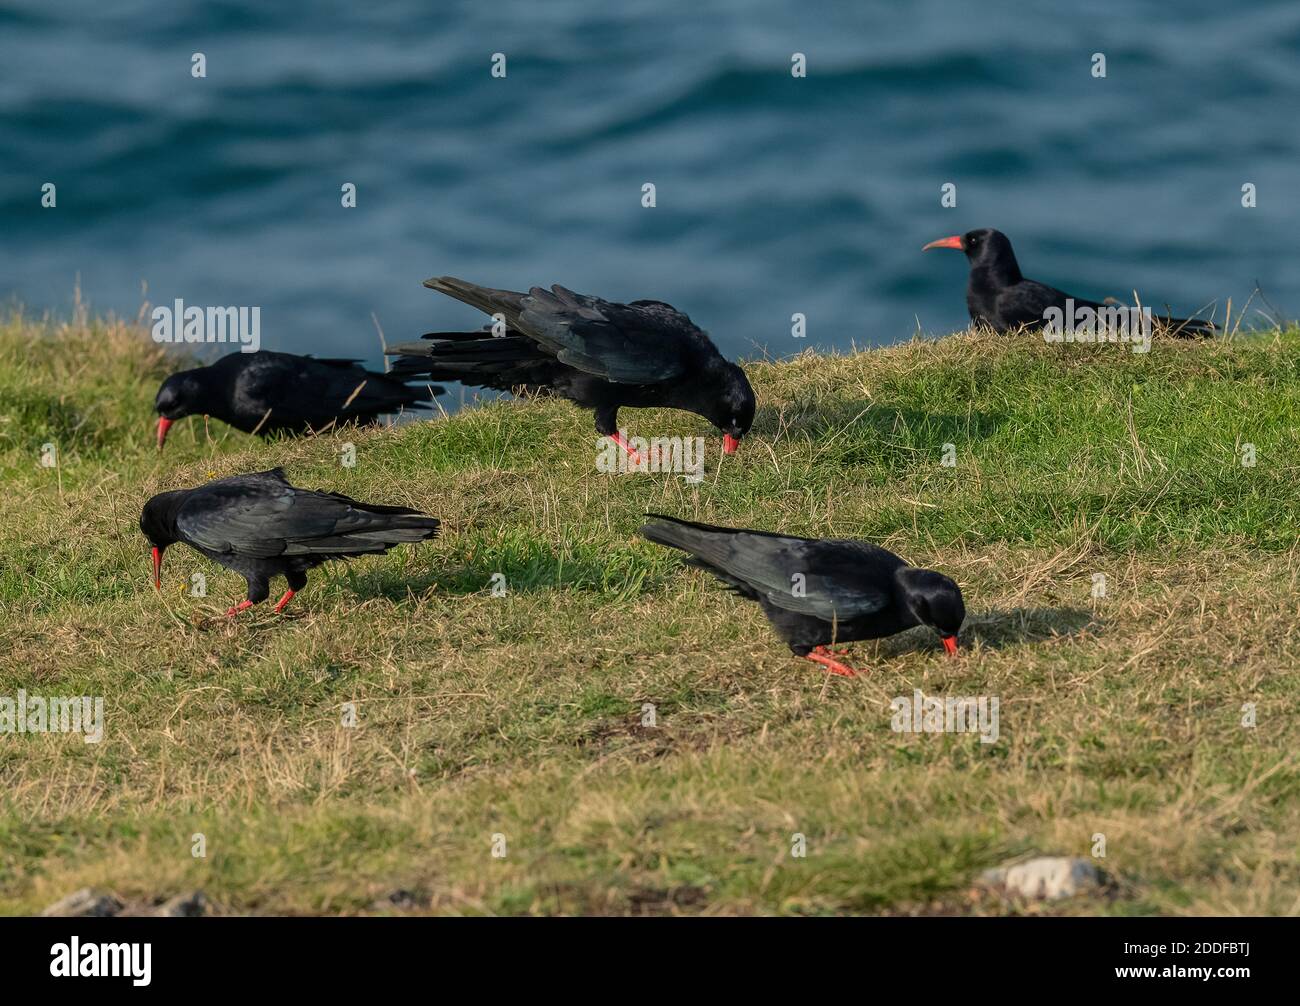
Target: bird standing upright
<point>260,526</point>
<point>998,295</point>
<point>817,592</point>
<point>596,353</point>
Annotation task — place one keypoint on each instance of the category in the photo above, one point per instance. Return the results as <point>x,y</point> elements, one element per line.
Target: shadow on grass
<point>998,630</point>
<point>536,574</point>
<point>853,421</point>
<point>617,577</point>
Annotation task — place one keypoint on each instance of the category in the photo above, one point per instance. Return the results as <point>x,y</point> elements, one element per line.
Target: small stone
<point>185,906</point>
<point>85,903</point>
<point>401,899</point>
<point>1045,878</point>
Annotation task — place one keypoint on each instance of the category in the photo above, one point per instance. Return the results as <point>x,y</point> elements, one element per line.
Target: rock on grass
<point>83,904</point>
<point>1045,878</point>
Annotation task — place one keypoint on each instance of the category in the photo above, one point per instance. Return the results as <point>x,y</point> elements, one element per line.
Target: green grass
<point>522,715</point>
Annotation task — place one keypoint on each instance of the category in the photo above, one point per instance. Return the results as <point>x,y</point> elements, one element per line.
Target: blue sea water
<point>775,195</point>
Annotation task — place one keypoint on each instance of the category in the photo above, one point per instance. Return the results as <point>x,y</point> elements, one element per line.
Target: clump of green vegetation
<point>638,738</point>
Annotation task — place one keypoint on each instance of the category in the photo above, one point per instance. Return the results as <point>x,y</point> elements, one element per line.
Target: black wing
<point>645,342</point>
<point>299,390</point>
<point>262,515</point>
<point>828,579</point>
<point>641,343</point>
<point>1024,303</point>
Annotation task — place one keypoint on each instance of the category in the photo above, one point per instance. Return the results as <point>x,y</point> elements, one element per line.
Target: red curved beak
<point>157,568</point>
<point>950,644</point>
<point>729,443</point>
<point>164,424</point>
<point>952,242</point>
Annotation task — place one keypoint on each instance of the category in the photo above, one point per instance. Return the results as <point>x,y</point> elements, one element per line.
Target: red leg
<point>288,596</point>
<point>617,437</point>
<point>238,608</point>
<point>822,656</point>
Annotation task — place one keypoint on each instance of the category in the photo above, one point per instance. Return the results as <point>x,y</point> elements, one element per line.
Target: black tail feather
<point>476,359</point>
<point>706,546</point>
<point>702,541</point>
<point>485,298</point>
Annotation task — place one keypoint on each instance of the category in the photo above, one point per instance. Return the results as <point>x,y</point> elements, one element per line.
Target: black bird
<point>817,592</point>
<point>596,353</point>
<point>269,393</point>
<point>260,526</point>
<point>999,296</point>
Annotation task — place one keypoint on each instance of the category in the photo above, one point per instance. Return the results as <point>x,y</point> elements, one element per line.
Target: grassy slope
<point>521,715</point>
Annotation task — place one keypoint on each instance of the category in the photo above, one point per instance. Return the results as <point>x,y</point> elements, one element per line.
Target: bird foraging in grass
<point>268,393</point>
<point>817,592</point>
<point>998,295</point>
<point>596,353</point>
<point>260,526</point>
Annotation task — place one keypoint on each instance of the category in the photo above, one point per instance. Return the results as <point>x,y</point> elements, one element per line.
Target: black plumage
<point>998,295</point>
<point>260,526</point>
<point>268,393</point>
<point>598,354</point>
<point>817,592</point>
